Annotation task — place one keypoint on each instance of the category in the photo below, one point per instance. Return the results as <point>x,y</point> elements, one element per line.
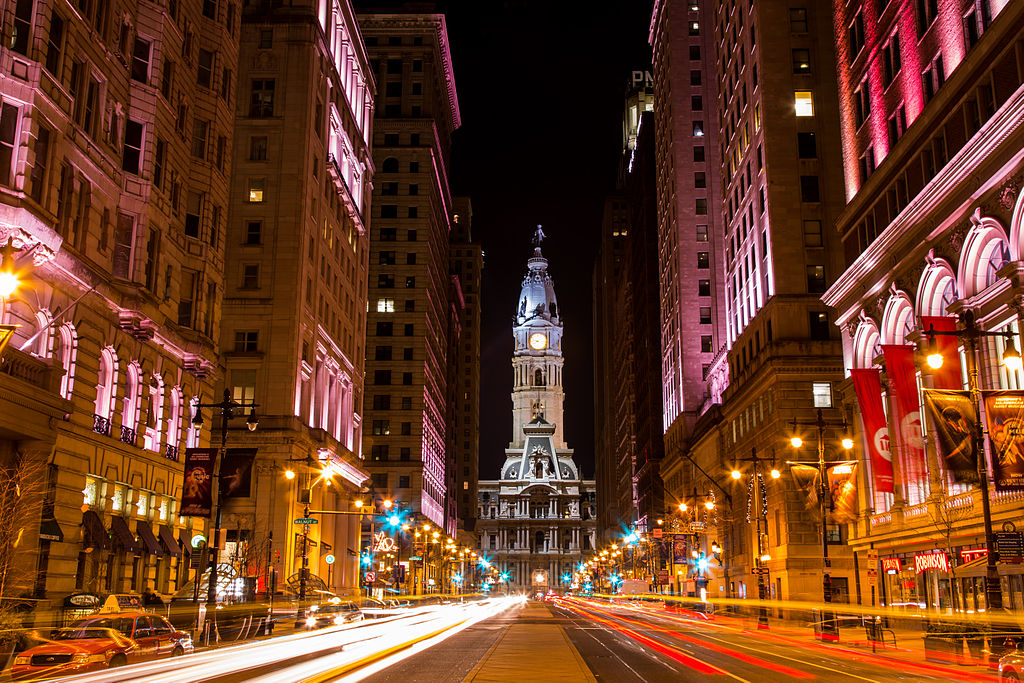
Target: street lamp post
<point>829,627</point>
<point>971,333</point>
<point>760,510</point>
<point>227,408</point>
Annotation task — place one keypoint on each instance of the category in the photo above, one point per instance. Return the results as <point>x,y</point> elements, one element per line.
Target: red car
<point>100,642</point>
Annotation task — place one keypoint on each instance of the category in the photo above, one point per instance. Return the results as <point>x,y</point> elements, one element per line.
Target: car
<point>73,650</point>
<point>1011,664</point>
<point>332,614</point>
<point>102,641</point>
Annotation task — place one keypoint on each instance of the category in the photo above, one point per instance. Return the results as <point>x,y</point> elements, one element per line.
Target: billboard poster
<point>1004,413</point>
<point>680,554</point>
<point>236,472</point>
<point>197,491</point>
<point>842,486</point>
<point>952,418</point>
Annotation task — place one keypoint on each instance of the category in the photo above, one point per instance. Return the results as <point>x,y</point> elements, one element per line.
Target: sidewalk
<point>531,652</point>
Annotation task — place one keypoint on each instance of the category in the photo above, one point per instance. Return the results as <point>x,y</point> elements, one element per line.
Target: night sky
<point>541,87</point>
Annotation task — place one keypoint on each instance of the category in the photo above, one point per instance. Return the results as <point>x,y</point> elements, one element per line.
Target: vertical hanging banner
<point>680,555</point>
<point>876,430</point>
<point>899,365</point>
<point>952,417</point>
<point>1004,415</point>
<point>236,472</point>
<point>806,478</point>
<point>197,490</point>
<point>949,375</point>
<point>842,486</point>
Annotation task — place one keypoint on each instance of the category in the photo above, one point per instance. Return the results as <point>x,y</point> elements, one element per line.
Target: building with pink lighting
<point>117,127</point>
<point>932,131</point>
<point>412,322</point>
<point>297,254</point>
<point>744,263</point>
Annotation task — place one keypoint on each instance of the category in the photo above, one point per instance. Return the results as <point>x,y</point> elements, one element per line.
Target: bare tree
<point>22,485</point>
<point>946,517</point>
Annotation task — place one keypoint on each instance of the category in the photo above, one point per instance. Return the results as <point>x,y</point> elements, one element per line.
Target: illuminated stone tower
<point>537,360</point>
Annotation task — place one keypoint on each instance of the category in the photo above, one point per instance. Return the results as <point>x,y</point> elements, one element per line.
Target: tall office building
<point>115,137</point>
<point>293,335</point>
<point>411,317</point>
<point>775,189</point>
<point>933,131</point>
<point>628,426</point>
<point>467,269</point>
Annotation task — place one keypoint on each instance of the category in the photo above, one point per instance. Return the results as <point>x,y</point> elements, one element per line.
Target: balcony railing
<point>101,425</point>
<point>171,453</point>
<point>128,435</point>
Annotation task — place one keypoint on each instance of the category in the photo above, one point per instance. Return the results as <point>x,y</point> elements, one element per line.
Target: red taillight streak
<point>749,659</point>
<point>693,663</point>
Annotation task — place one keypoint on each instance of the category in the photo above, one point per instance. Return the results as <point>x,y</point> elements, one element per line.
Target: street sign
<point>657,533</point>
<point>698,527</point>
<point>329,559</point>
<point>306,520</point>
<point>872,555</point>
<point>370,577</point>
<point>760,570</point>
<point>415,557</point>
<point>1010,545</point>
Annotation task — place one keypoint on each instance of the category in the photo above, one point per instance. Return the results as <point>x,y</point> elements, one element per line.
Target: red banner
<point>948,376</point>
<point>899,365</point>
<point>876,429</point>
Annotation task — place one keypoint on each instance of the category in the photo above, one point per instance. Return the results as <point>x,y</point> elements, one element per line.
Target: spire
<point>537,298</point>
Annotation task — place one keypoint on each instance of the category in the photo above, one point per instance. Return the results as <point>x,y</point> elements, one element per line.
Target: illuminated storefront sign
<point>972,554</point>
<point>938,561</point>
<point>891,565</point>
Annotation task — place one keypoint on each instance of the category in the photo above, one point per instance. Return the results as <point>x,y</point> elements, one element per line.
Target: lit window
<point>804,103</point>
<point>385,305</point>
<point>256,186</point>
<point>822,392</point>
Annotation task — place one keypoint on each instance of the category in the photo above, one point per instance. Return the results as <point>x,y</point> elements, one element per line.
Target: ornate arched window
<point>132,397</point>
<point>898,320</point>
<point>985,251</point>
<point>538,378</point>
<point>174,418</point>
<point>390,165</point>
<point>43,343</point>
<point>107,383</point>
<point>937,290</point>
<point>866,344</point>
<point>68,356</point>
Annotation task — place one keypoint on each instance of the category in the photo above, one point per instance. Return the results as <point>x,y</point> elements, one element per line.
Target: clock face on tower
<point>538,341</point>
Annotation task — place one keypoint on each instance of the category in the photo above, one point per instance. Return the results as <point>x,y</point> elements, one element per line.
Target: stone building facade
<point>537,521</point>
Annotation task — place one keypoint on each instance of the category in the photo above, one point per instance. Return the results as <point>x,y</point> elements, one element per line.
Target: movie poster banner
<point>842,487</point>
<point>1004,413</point>
<point>236,472</point>
<point>952,418</point>
<point>680,554</point>
<point>197,492</point>
<point>876,430</point>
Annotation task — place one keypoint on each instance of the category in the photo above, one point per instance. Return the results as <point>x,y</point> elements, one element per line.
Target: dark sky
<point>540,86</point>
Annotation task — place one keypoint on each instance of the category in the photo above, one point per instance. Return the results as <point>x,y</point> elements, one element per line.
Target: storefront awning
<point>978,566</point>
<point>145,532</point>
<point>167,539</point>
<point>49,530</point>
<point>184,543</point>
<point>119,528</point>
<point>94,534</point>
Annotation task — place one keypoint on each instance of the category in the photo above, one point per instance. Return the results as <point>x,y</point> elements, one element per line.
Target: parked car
<point>1011,665</point>
<point>74,650</point>
<point>102,641</point>
<point>332,614</point>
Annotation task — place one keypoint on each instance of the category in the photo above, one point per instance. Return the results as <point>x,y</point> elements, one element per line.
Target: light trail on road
<point>318,655</point>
